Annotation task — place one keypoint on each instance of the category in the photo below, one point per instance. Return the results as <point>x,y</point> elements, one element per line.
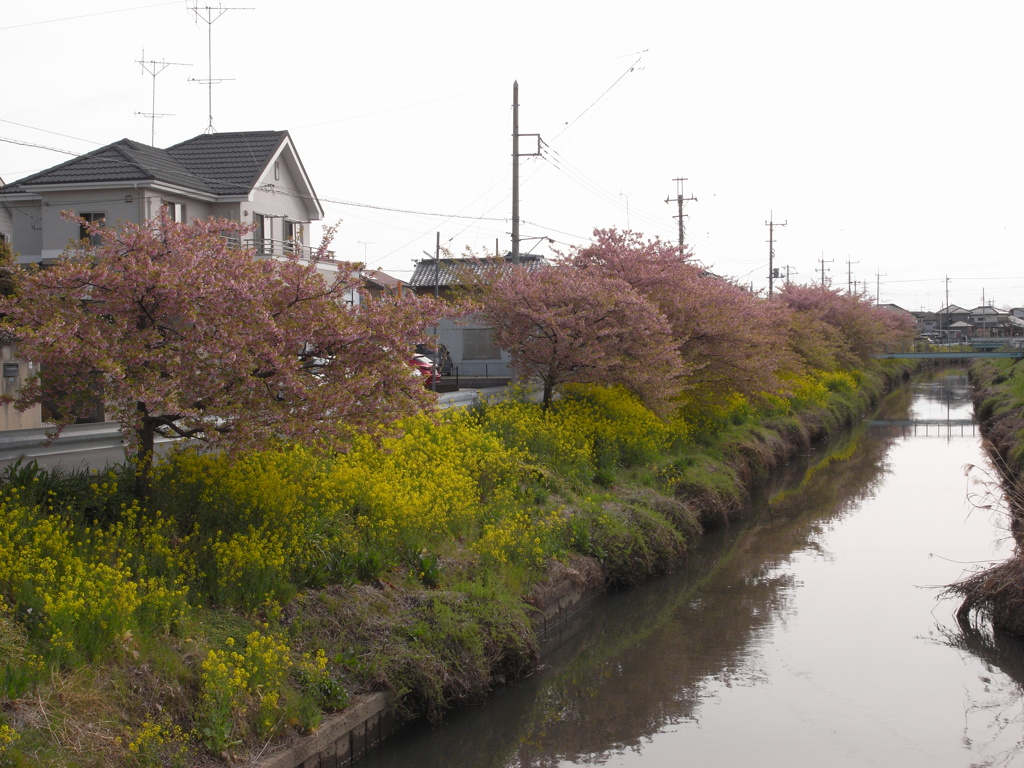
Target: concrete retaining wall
<point>346,737</point>
<point>341,739</point>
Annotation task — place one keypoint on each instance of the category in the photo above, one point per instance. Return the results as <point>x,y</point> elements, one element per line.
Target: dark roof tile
<point>447,272</point>
<point>215,163</point>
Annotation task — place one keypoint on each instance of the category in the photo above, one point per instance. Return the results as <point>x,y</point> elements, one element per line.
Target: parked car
<point>439,355</point>
<point>426,368</point>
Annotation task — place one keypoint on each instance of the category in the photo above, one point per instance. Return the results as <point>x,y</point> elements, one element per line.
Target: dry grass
<point>997,592</point>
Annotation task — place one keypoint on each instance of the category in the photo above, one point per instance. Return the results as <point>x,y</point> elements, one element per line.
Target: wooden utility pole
<point>823,263</point>
<point>849,272</point>
<point>680,202</point>
<point>772,224</point>
<point>515,169</point>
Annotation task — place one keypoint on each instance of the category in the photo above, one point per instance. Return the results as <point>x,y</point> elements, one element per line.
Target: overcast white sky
<point>887,135</point>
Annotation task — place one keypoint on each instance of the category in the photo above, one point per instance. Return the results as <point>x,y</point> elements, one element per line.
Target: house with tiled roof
<point>467,341</point>
<point>987,321</point>
<point>255,177</point>
<point>250,176</point>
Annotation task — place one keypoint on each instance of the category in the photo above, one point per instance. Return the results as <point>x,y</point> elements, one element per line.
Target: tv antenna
<point>154,68</point>
<point>209,14</point>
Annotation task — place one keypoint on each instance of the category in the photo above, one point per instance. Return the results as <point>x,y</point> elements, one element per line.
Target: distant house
<point>948,317</point>
<point>898,310</point>
<point>254,177</point>
<point>926,322</point>
<point>377,284</point>
<point>986,321</point>
<point>468,341</point>
<point>958,331</point>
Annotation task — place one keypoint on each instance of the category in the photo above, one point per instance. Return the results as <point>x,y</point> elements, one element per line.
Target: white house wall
<point>57,232</point>
<point>26,230</point>
<point>279,195</point>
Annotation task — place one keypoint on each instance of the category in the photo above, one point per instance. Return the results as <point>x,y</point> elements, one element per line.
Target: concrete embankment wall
<point>346,737</point>
<point>341,739</point>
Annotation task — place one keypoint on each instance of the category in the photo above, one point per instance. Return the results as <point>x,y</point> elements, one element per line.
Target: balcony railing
<point>280,248</point>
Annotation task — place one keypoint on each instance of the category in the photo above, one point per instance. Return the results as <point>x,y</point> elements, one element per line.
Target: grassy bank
<point>997,593</point>
<point>247,598</point>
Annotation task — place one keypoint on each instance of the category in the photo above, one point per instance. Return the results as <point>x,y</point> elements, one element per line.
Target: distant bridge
<point>979,348</point>
<point>925,427</point>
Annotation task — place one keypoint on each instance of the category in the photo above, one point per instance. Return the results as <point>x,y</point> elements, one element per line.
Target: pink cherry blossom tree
<point>563,324</point>
<point>861,328</point>
<point>732,340</point>
<point>180,333</point>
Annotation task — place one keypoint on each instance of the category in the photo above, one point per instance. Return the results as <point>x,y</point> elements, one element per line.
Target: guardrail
<point>977,348</point>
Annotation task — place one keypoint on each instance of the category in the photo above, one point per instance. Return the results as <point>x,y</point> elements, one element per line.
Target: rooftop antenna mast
<point>209,14</point>
<point>154,68</point>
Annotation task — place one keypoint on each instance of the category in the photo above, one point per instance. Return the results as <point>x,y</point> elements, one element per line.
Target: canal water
<point>810,635</point>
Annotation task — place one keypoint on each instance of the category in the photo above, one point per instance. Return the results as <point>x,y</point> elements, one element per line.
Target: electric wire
<point>87,15</point>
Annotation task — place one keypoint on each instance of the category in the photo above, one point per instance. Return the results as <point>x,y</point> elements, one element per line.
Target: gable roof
<point>221,164</point>
<point>124,160</point>
<point>231,163</point>
<point>894,308</point>
<point>382,279</point>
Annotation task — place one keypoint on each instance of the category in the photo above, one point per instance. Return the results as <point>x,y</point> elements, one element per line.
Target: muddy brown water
<point>810,635</point>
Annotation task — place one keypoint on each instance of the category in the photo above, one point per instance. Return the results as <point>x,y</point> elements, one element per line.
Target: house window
<point>292,236</point>
<point>260,233</point>
<point>477,344</point>
<point>175,211</point>
<point>83,232</point>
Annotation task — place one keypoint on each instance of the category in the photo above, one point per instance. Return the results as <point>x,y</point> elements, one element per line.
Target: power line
<point>87,15</point>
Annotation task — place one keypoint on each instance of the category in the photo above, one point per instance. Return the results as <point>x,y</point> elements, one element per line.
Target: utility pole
<point>772,272</point>
<point>437,275</point>
<point>946,312</point>
<point>515,168</point>
<point>154,68</point>
<point>209,14</point>
<point>680,202</point>
<point>849,264</point>
<point>878,287</point>
<point>823,263</point>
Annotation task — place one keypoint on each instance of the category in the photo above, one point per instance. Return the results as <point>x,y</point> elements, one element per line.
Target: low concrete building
<point>468,341</point>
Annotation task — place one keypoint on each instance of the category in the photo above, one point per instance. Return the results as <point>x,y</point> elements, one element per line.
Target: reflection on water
<point>810,635</point>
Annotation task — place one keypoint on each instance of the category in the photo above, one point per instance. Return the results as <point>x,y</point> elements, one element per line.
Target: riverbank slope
<point>997,593</point>
<point>256,596</point>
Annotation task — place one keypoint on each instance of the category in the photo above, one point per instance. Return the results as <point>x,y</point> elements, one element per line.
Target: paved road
<point>98,445</point>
